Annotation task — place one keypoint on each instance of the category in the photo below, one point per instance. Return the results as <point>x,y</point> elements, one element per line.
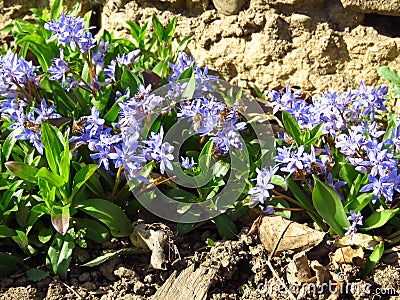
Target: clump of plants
<point>94,128</point>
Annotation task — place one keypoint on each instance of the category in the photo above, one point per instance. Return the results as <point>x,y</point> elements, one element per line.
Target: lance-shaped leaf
<point>60,218</point>
<point>329,206</point>
<point>23,171</point>
<point>108,213</point>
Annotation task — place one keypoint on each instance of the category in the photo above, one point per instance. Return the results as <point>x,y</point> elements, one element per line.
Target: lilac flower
<point>182,63</point>
<point>260,192</point>
<point>71,30</point>
<point>283,102</point>
<point>269,210</point>
<point>187,163</point>
<point>292,159</point>
<point>159,151</point>
<point>356,219</point>
<point>109,72</point>
<point>59,68</point>
<point>103,155</point>
<point>45,112</point>
<point>16,72</point>
<point>129,58</point>
<point>379,186</point>
<point>98,56</point>
<point>396,137</point>
<point>372,99</point>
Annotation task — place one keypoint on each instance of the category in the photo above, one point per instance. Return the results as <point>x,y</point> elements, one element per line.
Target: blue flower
<point>357,220</point>
<point>71,30</point>
<point>59,68</point>
<point>187,163</point>
<point>260,192</point>
<point>45,112</point>
<point>379,186</point>
<point>103,155</point>
<point>129,58</point>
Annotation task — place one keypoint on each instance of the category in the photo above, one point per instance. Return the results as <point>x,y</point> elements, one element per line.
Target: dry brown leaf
<point>298,270</point>
<point>287,235</point>
<point>366,241</point>
<point>321,272</point>
<point>347,255</point>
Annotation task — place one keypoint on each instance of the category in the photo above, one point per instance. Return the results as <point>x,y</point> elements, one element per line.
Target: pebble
<point>229,7</point>
<point>90,286</point>
<point>123,272</point>
<point>84,277</point>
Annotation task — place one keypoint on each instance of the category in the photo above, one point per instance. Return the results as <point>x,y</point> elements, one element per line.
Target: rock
<point>387,7</point>
<point>84,277</point>
<point>229,7</point>
<point>90,286</point>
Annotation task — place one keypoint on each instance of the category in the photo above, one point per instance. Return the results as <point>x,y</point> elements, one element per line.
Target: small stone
<point>123,272</point>
<point>84,277</point>
<point>43,284</point>
<point>229,7</point>
<point>107,269</point>
<point>90,286</point>
<point>149,278</point>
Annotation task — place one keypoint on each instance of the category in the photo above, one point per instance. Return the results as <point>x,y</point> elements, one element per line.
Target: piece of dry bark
<point>143,237</point>
<point>278,234</point>
<point>298,270</point>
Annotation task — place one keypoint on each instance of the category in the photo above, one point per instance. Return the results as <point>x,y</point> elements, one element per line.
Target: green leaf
<point>226,227</point>
<point>21,239</point>
<point>23,171</point>
<point>81,177</point>
<point>378,219</point>
<point>129,80</point>
<point>53,143</point>
<point>184,228</point>
<point>94,230</point>
<point>329,206</point>
<point>189,90</point>
<point>55,10</point>
<point>60,253</point>
<point>304,201</point>
<point>108,213</point>
<point>60,218</point>
<point>36,274</point>
<point>45,235</point>
<point>279,181</point>
<point>6,231</point>
<point>7,264</point>
<point>103,258</point>
<point>52,178</point>
<point>205,157</point>
<point>9,144</point>
<point>292,127</point>
<point>373,259</point>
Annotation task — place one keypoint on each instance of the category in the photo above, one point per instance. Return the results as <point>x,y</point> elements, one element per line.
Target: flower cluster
<point>73,31</point>
<point>348,119</point>
<point>210,116</point>
<point>356,220</point>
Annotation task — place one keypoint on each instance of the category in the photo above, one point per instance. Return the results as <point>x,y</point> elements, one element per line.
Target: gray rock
<point>229,7</point>
<point>385,7</point>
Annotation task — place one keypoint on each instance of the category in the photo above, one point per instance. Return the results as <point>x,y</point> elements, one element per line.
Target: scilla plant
<point>340,160</point>
<point>86,140</point>
<point>62,116</point>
